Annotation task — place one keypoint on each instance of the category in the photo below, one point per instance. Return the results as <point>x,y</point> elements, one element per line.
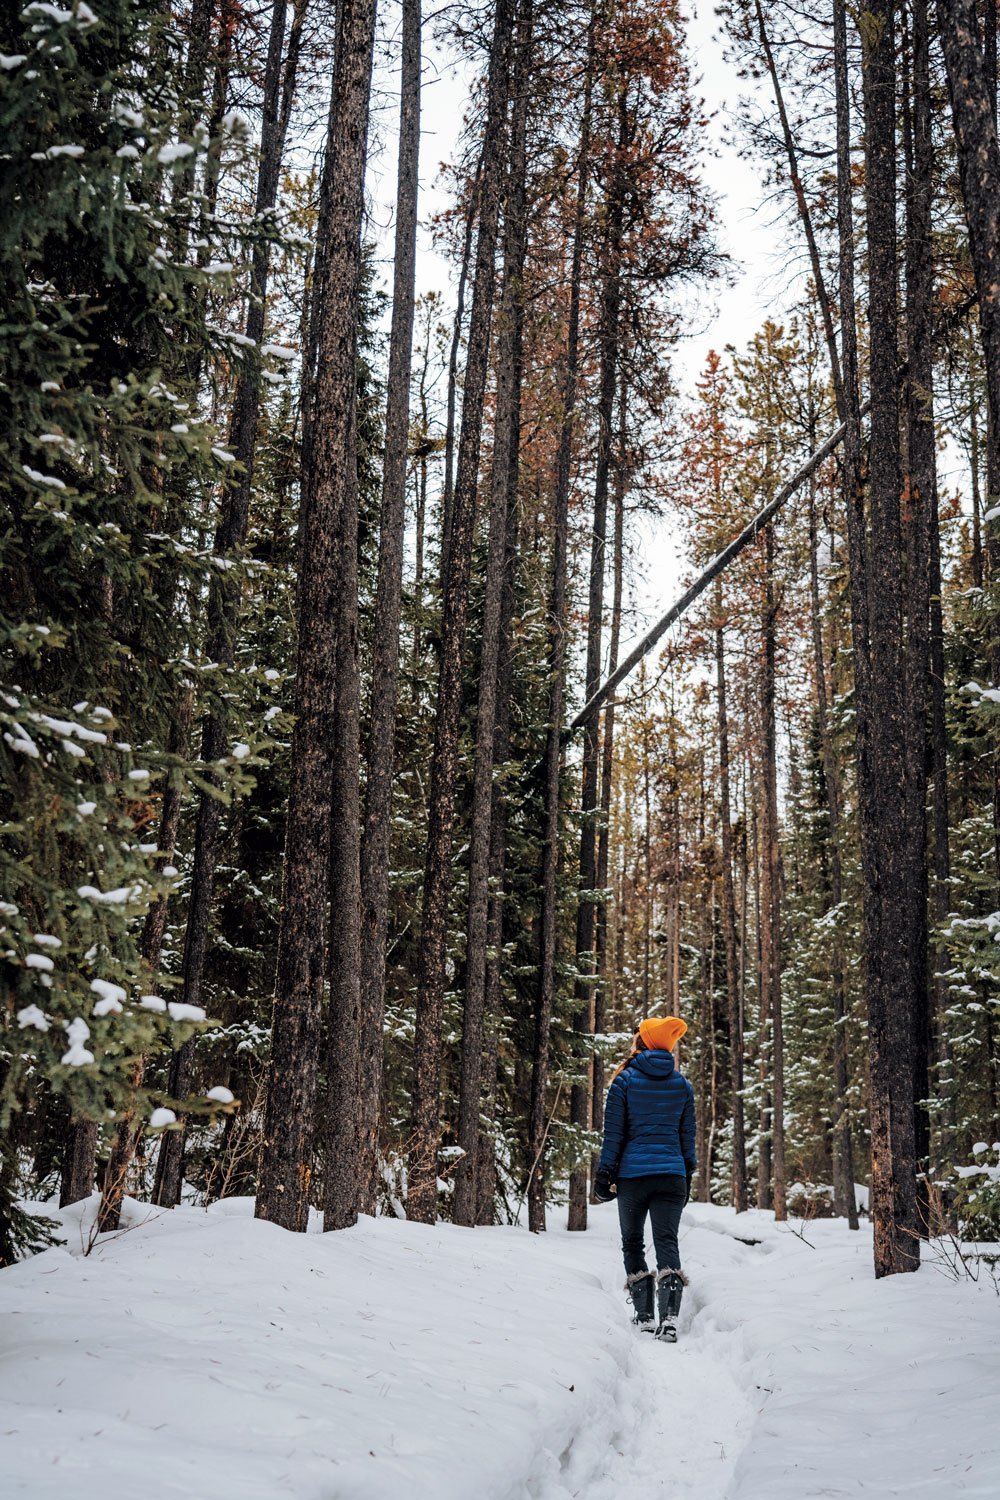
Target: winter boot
<point>670,1286</point>
<point>640,1290</point>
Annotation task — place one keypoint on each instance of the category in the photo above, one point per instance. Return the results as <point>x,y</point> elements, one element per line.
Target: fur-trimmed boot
<point>640,1290</point>
<point>670,1286</point>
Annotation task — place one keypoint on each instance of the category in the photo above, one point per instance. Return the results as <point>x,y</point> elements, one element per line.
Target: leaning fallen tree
<point>718,565</point>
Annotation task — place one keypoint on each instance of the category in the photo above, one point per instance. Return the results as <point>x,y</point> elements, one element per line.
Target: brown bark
<point>422,1194</point>
<point>456,343</point>
<point>976,496</point>
<point>844,1200</point>
<point>764,1165</point>
<point>331,466</point>
<point>706,1017</point>
<point>974,116</point>
<point>343,1025</point>
<point>486,1164</point>
<point>919,498</point>
<point>851,471</point>
<point>379,757</point>
<point>728,914</point>
<point>503,481</point>
<point>941,850</point>
<point>556,671</point>
<point>79,1162</point>
<point>608,335</point>
<point>607,768</point>
<point>770,897</point>
<point>881,757</point>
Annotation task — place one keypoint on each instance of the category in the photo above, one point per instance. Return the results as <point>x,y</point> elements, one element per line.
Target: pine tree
<point>101,441</point>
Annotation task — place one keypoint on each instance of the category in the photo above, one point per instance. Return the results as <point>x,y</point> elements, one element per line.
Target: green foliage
<point>978,1198</point>
<point>108,462</point>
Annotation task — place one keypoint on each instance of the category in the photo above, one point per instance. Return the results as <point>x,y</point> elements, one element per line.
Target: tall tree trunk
<point>447,496</point>
<point>974,114</point>
<point>379,757</point>
<point>556,671</point>
<point>763,1060</point>
<point>607,769</point>
<point>851,467</point>
<point>881,753</point>
<point>975,496</point>
<point>420,518</point>
<point>224,601</point>
<point>844,373</point>
<point>286,1158</point>
<point>770,962</point>
<point>422,1197</point>
<point>502,480</point>
<point>733,1008</point>
<point>608,334</point>
<point>486,1166</point>
<point>919,492</point>
<point>343,1022</point>
<point>941,851</point>
<point>843,1156</point>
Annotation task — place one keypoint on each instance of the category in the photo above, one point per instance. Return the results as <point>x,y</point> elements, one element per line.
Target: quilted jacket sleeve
<point>687,1132</point>
<point>614,1128</point>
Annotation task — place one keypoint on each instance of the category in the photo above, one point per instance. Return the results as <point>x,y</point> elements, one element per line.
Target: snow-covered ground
<point>197,1354</point>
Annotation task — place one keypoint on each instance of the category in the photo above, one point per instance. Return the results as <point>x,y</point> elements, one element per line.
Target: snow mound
<point>212,1353</point>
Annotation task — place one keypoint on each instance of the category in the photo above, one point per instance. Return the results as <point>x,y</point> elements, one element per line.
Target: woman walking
<point>647,1162</point>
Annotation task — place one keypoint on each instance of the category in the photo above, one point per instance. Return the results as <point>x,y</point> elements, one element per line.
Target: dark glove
<point>603,1191</point>
<point>687,1195</point>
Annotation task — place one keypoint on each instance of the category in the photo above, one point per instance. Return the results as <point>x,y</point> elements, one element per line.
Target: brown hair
<point>638,1045</point>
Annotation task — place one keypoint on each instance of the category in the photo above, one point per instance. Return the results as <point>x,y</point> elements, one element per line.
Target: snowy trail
<point>204,1353</point>
<point>684,1422</point>
<point>680,1418</point>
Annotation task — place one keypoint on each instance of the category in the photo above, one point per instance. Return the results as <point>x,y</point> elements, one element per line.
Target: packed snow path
<point>679,1417</point>
<point>197,1354</point>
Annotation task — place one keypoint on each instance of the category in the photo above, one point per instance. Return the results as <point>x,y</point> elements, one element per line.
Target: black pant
<point>661,1196</point>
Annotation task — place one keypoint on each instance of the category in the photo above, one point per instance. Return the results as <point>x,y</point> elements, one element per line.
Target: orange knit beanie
<point>661,1033</point>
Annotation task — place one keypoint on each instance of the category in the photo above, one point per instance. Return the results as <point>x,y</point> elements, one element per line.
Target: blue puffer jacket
<point>649,1119</point>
